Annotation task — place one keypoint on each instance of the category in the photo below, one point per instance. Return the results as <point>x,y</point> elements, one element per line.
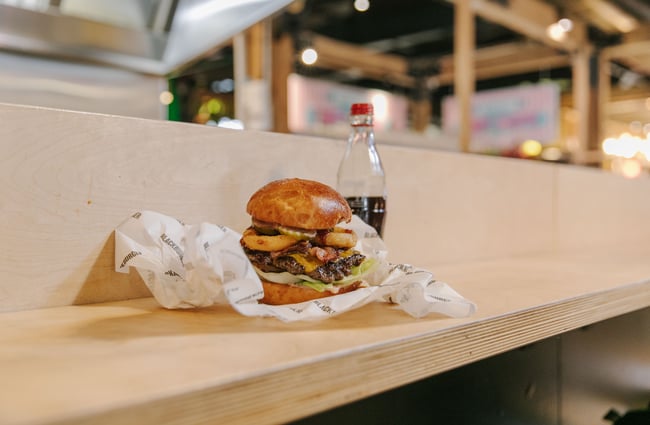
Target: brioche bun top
<point>305,204</point>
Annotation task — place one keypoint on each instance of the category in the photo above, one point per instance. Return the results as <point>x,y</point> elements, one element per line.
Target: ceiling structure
<point>414,37</point>
<point>166,37</point>
<point>422,32</point>
<point>416,41</point>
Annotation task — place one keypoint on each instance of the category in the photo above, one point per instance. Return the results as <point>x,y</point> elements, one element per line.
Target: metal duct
<point>150,36</point>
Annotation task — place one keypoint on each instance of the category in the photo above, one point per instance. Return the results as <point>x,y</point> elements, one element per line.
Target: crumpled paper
<point>199,265</point>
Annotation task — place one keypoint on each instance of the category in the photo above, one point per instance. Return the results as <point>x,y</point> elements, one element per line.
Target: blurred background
<point>549,80</point>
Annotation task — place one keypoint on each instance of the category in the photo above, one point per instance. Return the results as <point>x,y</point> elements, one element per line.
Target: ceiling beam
<point>530,18</point>
<point>633,51</point>
<point>633,55</point>
<point>606,15</point>
<point>520,66</point>
<point>489,62</point>
<point>338,55</point>
<point>640,7</point>
<point>409,40</point>
<point>504,60</point>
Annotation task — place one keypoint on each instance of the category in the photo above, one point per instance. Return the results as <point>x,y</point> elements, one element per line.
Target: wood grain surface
<point>540,249</point>
<point>133,362</point>
<point>70,178</point>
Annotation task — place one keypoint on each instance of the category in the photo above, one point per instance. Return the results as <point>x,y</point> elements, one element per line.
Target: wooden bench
<point>541,249</point>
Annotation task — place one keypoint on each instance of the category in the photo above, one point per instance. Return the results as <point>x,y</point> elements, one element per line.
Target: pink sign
<point>503,118</point>
<point>316,103</point>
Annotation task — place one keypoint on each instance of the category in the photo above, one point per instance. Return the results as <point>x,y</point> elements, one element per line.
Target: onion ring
<point>340,238</point>
<point>258,242</point>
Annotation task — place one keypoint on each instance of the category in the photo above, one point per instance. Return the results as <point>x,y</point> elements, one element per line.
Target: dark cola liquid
<point>371,209</point>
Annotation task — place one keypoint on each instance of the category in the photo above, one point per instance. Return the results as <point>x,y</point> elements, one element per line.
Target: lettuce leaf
<point>287,278</point>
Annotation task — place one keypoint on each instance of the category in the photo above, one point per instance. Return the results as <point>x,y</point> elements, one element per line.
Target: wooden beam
<point>420,114</point>
<point>282,58</point>
<point>641,33</point>
<point>498,54</point>
<point>604,94</point>
<point>536,11</point>
<point>358,55</point>
<point>490,62</point>
<point>254,37</point>
<point>581,102</point>
<point>633,54</point>
<point>333,54</point>
<point>526,17</point>
<point>628,49</point>
<point>252,69</point>
<point>504,60</point>
<point>608,15</point>
<point>464,77</point>
<point>518,66</point>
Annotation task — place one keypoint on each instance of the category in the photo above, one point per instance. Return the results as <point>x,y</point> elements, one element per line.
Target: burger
<point>296,245</point>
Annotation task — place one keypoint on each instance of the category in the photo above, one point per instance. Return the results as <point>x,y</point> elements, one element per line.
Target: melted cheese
<point>310,264</point>
<point>347,253</point>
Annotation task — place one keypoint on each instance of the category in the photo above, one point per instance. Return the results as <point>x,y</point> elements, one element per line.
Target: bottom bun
<point>280,293</point>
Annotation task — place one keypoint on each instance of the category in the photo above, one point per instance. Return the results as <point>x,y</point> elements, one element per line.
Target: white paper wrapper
<point>199,265</point>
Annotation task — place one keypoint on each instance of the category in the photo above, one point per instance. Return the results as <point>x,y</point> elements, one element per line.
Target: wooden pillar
<point>252,76</point>
<point>255,40</point>
<point>420,114</point>
<point>585,96</point>
<point>580,93</point>
<point>593,143</point>
<point>240,74</point>
<point>282,58</point>
<point>604,92</point>
<point>420,106</point>
<point>464,73</point>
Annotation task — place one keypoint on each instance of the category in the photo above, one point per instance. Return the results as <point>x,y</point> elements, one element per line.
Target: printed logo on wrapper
<point>185,266</point>
<point>188,266</point>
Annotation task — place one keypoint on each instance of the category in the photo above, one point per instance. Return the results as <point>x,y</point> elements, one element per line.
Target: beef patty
<point>328,272</point>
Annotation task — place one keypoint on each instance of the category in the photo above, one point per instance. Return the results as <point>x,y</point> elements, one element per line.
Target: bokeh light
<point>309,56</point>
<point>361,5</point>
<point>166,97</point>
<point>531,148</point>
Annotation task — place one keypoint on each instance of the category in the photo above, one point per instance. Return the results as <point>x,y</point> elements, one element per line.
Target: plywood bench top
<point>135,362</point>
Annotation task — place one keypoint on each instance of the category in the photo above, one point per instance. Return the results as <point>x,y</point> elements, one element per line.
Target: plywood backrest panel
<point>600,209</point>
<point>448,207</point>
<point>70,178</point>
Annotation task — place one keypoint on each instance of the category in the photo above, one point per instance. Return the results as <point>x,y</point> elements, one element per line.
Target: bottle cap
<point>361,109</point>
